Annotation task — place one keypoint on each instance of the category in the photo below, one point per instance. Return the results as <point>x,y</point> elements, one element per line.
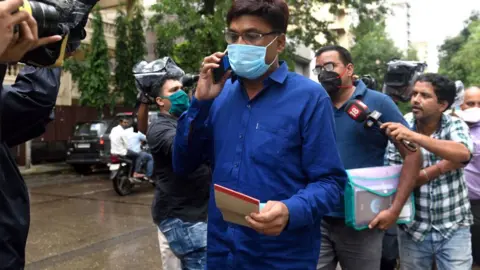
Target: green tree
<point>189,30</point>
<point>129,50</point>
<point>123,70</point>
<point>93,75</point>
<point>373,49</point>
<point>449,49</point>
<point>469,57</point>
<point>412,54</point>
<point>137,49</point>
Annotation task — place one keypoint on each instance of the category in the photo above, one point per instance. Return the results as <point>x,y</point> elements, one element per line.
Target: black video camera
<point>66,18</point>
<point>400,77</point>
<point>369,81</point>
<point>149,76</point>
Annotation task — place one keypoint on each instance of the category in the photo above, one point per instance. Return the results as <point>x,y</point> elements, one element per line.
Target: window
<point>90,129</point>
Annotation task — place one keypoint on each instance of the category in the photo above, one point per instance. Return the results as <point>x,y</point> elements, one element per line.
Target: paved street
<point>84,224</point>
<point>81,223</point>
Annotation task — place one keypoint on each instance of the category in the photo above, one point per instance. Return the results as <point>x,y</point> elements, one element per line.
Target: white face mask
<point>471,115</point>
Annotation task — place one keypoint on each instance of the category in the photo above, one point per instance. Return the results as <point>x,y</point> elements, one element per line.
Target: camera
<point>399,78</point>
<point>149,76</point>
<point>66,18</point>
<point>369,81</point>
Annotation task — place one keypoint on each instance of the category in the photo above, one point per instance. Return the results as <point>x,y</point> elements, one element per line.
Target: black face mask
<point>331,81</point>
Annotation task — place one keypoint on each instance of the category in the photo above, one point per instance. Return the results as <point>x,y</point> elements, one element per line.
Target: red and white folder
<point>235,206</point>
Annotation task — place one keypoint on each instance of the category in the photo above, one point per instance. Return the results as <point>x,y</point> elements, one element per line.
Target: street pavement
<point>81,223</point>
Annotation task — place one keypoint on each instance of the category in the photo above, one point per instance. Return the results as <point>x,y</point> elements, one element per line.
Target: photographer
<point>25,109</point>
<point>179,207</point>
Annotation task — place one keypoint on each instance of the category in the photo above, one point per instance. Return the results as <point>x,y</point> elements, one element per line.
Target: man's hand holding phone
<point>207,88</point>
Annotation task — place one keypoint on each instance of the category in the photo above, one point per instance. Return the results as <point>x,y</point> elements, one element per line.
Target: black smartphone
<point>219,72</point>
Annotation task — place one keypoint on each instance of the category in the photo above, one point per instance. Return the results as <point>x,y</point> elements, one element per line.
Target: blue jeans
<point>449,254</point>
<point>188,241</point>
<point>145,157</point>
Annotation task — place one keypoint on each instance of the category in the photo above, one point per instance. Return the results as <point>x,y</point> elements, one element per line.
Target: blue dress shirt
<point>277,146</point>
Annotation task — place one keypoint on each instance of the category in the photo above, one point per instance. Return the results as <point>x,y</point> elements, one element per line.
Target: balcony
<point>110,4</point>
<point>11,74</point>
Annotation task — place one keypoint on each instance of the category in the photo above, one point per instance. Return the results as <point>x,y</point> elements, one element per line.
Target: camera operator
<point>180,204</point>
<point>25,109</point>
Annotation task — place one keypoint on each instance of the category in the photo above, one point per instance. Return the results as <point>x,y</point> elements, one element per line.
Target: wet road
<point>84,224</point>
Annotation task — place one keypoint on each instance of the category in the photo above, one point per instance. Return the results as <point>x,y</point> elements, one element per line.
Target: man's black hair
<point>274,12</point>
<point>444,88</point>
<point>158,86</point>
<point>345,55</point>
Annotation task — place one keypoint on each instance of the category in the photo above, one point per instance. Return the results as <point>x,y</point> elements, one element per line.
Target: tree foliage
<point>129,50</point>
<point>137,49</point>
<point>457,55</point>
<point>123,72</point>
<point>373,49</point>
<point>189,30</point>
<point>93,74</point>
<point>412,54</point>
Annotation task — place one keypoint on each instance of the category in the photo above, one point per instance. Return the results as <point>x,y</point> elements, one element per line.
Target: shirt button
<point>236,165</point>
<point>241,136</point>
<point>249,106</point>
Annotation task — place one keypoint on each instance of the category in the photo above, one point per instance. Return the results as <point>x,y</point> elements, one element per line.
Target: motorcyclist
<point>119,145</point>
<point>135,139</point>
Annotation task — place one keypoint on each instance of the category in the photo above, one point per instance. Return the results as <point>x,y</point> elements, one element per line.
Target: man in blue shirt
<point>359,148</point>
<point>269,134</point>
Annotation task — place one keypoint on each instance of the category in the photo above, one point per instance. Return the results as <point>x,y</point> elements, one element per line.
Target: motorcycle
<point>121,174</point>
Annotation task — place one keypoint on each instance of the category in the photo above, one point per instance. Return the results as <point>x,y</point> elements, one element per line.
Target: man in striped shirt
<point>440,229</point>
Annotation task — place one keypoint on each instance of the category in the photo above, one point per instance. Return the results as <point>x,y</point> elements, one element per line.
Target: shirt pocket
<point>271,143</point>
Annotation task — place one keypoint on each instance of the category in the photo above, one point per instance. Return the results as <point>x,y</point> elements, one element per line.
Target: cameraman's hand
<point>25,40</point>
<point>145,98</point>
<point>9,20</point>
<point>206,89</point>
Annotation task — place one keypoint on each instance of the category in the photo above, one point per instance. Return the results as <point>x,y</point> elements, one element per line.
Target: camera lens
<point>46,16</point>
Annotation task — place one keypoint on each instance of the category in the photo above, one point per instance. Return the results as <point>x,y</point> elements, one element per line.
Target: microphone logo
<point>354,112</point>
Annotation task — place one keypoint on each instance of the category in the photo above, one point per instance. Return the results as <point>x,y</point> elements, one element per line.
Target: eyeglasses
<point>327,67</point>
<point>248,37</point>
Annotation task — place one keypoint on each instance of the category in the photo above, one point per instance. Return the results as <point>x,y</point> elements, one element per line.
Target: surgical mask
<point>332,81</point>
<point>248,61</point>
<point>180,103</point>
<point>470,116</point>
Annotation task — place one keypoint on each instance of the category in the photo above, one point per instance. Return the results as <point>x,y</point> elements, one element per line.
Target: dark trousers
<point>475,230</point>
<point>389,250</point>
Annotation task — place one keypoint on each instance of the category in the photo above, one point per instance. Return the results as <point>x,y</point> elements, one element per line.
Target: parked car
<point>89,146</point>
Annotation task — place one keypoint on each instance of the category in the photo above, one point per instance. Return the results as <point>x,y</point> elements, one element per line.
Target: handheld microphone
<point>359,112</point>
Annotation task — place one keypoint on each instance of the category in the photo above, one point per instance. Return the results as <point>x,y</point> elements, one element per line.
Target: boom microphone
<point>359,112</point>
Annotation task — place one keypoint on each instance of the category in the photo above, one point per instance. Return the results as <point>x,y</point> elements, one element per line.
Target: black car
<point>89,147</point>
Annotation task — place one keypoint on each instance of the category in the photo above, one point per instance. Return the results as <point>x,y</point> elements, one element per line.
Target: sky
<point>433,21</point>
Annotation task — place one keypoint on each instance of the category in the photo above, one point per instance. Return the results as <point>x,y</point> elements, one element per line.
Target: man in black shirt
<point>180,204</point>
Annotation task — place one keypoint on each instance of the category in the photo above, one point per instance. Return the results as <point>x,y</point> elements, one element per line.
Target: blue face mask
<point>248,61</point>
